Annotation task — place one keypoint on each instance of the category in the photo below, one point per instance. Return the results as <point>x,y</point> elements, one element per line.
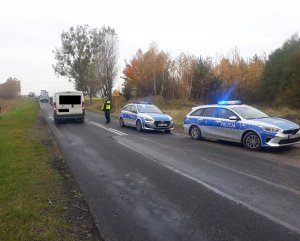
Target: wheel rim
<point>138,126</point>
<point>195,132</point>
<point>253,141</point>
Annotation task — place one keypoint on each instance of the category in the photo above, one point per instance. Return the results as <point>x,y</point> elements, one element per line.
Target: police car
<point>233,121</point>
<point>145,116</point>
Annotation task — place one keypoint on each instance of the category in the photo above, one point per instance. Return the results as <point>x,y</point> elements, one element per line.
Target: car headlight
<point>270,129</point>
<point>149,119</point>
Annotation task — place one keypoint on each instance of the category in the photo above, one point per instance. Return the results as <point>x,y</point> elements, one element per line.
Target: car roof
<point>142,103</point>
<point>216,105</point>
<point>68,92</point>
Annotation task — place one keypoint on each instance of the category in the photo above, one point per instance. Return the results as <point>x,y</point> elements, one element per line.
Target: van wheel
<point>139,126</point>
<point>121,122</point>
<point>82,121</point>
<point>251,141</point>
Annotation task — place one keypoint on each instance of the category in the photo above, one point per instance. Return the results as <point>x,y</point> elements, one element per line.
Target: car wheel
<point>167,131</point>
<point>251,141</point>
<point>195,133</point>
<point>55,121</point>
<point>139,126</point>
<point>121,121</point>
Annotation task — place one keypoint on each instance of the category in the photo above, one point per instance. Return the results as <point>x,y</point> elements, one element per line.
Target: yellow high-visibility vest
<point>108,105</point>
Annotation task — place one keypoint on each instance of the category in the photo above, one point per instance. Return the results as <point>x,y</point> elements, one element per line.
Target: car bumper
<point>186,128</point>
<point>281,139</point>
<point>153,126</point>
<point>69,117</point>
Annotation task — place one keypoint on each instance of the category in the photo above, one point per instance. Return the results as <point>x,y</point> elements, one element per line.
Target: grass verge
<point>35,199</point>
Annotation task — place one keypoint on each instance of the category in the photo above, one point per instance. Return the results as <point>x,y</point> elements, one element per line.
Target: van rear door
<point>70,103</point>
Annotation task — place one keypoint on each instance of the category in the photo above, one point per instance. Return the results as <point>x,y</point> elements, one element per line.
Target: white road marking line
<point>107,128</point>
<point>223,194</point>
<point>50,116</point>
<point>297,192</point>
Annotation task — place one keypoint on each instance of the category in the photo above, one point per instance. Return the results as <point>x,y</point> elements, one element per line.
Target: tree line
<point>275,79</point>
<point>11,88</point>
<point>89,57</point>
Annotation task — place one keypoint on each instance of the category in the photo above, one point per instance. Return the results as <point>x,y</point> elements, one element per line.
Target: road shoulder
<point>80,220</point>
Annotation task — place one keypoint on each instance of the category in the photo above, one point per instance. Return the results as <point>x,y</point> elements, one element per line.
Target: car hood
<point>276,122</point>
<point>157,117</point>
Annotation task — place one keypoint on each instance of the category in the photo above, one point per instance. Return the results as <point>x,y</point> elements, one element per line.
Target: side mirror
<point>233,118</point>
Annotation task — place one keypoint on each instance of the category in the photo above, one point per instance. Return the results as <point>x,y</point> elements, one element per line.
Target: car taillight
<point>83,107</point>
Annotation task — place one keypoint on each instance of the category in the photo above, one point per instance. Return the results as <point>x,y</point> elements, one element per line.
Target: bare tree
<point>73,58</point>
<point>105,59</point>
<point>89,58</point>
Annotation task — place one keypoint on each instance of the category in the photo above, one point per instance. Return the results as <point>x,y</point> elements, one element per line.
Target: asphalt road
<point>158,186</point>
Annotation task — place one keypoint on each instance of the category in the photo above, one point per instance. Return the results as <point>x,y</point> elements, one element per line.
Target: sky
<point>30,30</point>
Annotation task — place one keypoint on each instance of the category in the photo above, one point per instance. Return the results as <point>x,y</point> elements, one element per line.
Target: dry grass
<point>283,112</point>
<point>9,105</point>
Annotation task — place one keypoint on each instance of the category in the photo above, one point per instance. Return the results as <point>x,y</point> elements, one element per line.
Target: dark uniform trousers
<point>107,116</point>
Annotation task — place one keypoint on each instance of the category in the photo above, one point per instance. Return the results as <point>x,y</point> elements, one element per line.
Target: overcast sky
<point>30,30</point>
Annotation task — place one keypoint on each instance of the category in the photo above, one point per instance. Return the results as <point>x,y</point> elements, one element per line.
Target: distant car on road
<point>44,96</point>
<point>232,121</point>
<point>145,116</point>
<point>68,105</point>
<point>51,100</point>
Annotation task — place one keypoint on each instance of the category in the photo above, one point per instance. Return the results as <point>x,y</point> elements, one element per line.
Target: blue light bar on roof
<point>229,102</point>
<point>142,102</point>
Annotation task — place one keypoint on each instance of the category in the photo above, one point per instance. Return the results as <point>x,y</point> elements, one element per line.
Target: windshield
<point>148,109</point>
<point>248,112</point>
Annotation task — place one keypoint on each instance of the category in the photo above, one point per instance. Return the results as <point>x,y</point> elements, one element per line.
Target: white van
<point>68,105</point>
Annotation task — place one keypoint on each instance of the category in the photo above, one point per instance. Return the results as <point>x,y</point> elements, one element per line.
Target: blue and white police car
<point>145,116</point>
<point>233,121</point>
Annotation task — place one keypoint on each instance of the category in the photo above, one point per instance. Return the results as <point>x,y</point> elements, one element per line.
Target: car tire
<point>121,121</point>
<point>139,127</point>
<point>251,141</point>
<point>167,131</point>
<point>195,132</point>
<point>56,121</point>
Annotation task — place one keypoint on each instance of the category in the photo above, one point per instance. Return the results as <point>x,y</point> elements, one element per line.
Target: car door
<point>132,115</point>
<point>207,121</point>
<point>126,114</point>
<point>196,118</point>
<point>227,129</point>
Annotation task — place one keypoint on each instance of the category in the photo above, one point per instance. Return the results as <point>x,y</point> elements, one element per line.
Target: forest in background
<point>273,80</point>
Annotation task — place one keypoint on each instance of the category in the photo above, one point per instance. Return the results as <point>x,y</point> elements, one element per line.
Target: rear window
<point>70,100</point>
<point>197,112</point>
<point>209,112</point>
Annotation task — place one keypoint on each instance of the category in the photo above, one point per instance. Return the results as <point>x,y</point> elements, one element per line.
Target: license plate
<point>162,124</point>
<point>294,136</point>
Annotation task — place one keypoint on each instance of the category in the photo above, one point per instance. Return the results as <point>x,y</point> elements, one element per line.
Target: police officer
<point>106,109</point>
